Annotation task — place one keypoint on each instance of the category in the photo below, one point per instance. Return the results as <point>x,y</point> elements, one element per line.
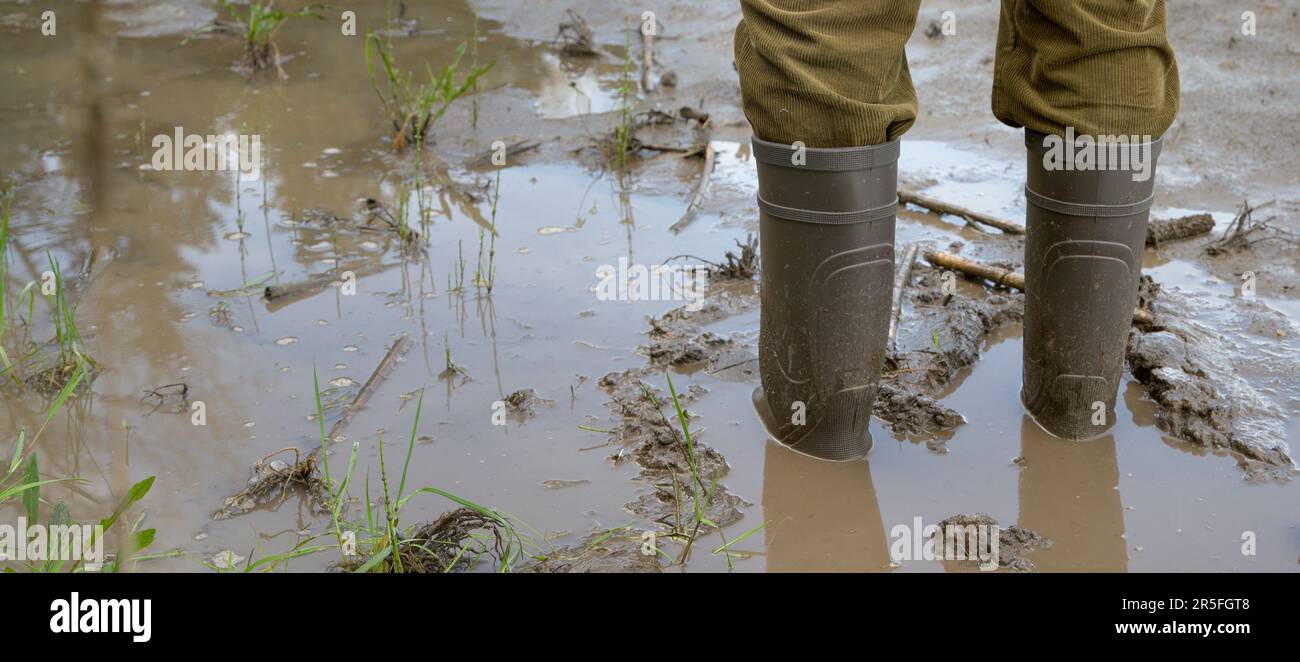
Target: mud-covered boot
<point>1086,229</point>
<point>826,236</point>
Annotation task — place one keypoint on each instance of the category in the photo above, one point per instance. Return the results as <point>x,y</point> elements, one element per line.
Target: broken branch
<point>941,207</point>
<point>1001,277</point>
<point>901,276</point>
<point>698,198</point>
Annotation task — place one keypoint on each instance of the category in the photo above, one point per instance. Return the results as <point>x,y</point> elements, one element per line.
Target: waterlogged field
<point>415,288</point>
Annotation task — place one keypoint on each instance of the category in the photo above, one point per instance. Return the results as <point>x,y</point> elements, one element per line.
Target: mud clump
<point>522,404</point>
<point>1014,543</point>
<point>666,460</point>
<point>956,328</point>
<point>1190,373</point>
<point>678,351</point>
<point>676,339</point>
<point>944,336</point>
<point>909,412</point>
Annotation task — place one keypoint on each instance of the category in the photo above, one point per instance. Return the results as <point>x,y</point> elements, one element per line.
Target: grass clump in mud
<point>413,108</point>
<point>458,539</point>
<point>257,30</point>
<point>685,530</point>
<point>623,132</point>
<point>51,368</point>
<point>56,368</point>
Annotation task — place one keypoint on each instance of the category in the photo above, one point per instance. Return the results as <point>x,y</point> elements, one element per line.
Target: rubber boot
<point>1085,234</point>
<point>826,233</point>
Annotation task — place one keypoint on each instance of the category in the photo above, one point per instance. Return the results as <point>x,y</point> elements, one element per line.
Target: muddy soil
<point>172,270</point>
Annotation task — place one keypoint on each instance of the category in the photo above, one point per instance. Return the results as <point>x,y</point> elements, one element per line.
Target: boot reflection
<point>1069,492</point>
<point>822,516</point>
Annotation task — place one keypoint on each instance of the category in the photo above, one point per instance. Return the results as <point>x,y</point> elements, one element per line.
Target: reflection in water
<point>1069,492</point>
<point>824,516</point>
<point>821,516</point>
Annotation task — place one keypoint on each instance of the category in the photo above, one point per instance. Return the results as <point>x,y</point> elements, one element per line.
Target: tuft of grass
<point>473,61</point>
<point>257,30</point>
<point>701,497</point>
<point>623,132</point>
<point>456,539</point>
<point>413,108</point>
<point>66,333</point>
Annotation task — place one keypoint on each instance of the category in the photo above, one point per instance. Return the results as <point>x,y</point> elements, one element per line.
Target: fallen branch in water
<point>700,189</point>
<point>941,207</point>
<point>647,59</point>
<point>1001,277</point>
<point>279,296</point>
<point>1160,231</point>
<point>901,276</point>
<point>399,348</point>
<point>512,150</point>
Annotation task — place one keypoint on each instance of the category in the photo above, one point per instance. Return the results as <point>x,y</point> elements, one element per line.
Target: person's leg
<point>826,88</point>
<point>1095,85</point>
<point>827,73</point>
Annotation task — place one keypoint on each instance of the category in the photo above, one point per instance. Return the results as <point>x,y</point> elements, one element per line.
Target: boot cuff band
<point>1090,210</point>
<point>826,159</point>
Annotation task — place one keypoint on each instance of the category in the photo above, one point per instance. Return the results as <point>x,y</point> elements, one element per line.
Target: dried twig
<point>700,189</point>
<point>901,276</point>
<point>399,348</point>
<point>279,296</point>
<point>1001,277</point>
<point>647,60</point>
<point>1237,236</point>
<point>941,207</point>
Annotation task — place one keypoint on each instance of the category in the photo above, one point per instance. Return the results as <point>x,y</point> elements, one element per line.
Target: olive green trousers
<point>833,73</point>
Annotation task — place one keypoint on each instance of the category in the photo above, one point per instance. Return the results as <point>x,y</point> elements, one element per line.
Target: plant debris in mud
<point>273,480</point>
<point>456,540</point>
<point>522,403</point>
<point>170,398</point>
<point>667,461</point>
<point>617,550</point>
<point>1245,231</point>
<point>574,36</point>
<point>734,266</point>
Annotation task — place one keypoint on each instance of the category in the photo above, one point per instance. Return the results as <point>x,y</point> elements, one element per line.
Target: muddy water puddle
<point>175,264</point>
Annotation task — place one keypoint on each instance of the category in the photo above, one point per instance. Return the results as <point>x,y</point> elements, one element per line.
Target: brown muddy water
<point>161,241</point>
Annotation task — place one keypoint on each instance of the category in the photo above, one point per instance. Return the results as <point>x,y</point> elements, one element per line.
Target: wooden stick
<point>901,276</point>
<point>941,207</point>
<point>279,296</point>
<point>398,349</point>
<point>1001,277</point>
<point>647,60</point>
<point>512,150</point>
<point>1160,231</point>
<point>698,198</point>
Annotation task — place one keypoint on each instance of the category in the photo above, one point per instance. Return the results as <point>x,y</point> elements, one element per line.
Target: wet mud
<point>235,291</point>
